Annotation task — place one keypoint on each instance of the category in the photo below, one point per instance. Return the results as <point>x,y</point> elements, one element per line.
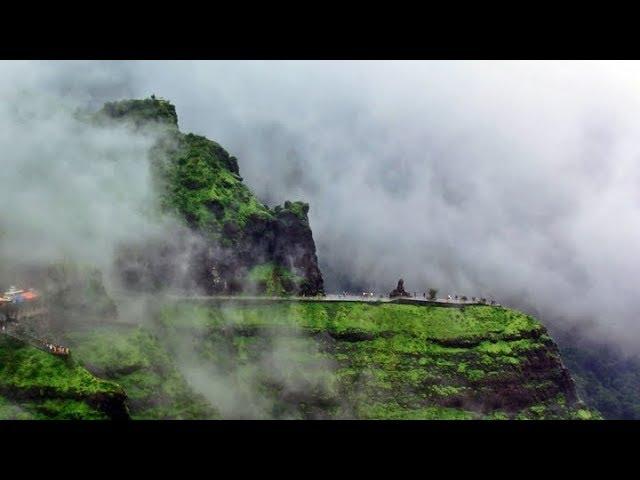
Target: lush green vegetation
<point>307,359</point>
<point>136,360</point>
<point>27,368</point>
<point>199,182</point>
<point>203,186</point>
<point>142,111</point>
<point>381,361</point>
<point>279,359</point>
<point>39,385</point>
<point>606,379</point>
<point>471,324</point>
<point>198,178</point>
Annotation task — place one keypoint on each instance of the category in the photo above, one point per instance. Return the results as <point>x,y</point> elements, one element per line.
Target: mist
<point>511,180</point>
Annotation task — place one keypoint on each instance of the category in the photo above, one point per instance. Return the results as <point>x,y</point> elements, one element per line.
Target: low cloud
<point>517,180</point>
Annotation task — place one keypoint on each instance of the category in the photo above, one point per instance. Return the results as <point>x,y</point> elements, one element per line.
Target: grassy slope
<point>299,360</point>
<point>35,384</point>
<point>384,361</point>
<point>134,359</point>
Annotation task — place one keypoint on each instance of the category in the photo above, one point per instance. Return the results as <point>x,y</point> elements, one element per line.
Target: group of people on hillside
<point>463,298</point>
<point>362,294</point>
<point>57,350</point>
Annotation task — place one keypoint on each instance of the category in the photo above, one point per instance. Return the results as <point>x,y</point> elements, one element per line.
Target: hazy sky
<point>512,179</point>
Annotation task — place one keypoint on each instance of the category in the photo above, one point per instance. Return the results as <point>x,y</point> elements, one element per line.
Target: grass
<point>393,411</point>
<point>384,361</point>
<point>136,360</point>
<point>44,386</point>
<point>26,368</point>
<point>417,323</point>
<point>298,360</point>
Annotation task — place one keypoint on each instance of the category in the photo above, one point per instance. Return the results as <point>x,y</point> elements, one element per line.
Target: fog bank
<point>513,180</point>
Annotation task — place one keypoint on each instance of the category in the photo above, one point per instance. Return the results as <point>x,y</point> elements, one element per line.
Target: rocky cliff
<point>227,232</point>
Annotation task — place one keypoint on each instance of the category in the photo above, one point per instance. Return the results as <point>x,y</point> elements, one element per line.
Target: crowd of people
<point>57,350</point>
<point>463,298</point>
<point>425,295</point>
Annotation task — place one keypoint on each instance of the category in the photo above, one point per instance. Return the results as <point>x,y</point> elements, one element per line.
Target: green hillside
<point>317,359</point>
<point>36,385</point>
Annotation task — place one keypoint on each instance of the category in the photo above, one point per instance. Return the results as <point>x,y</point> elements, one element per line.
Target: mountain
<point>236,243</point>
<point>138,353</point>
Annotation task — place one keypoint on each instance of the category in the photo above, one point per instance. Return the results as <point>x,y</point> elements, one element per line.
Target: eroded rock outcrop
<point>229,232</point>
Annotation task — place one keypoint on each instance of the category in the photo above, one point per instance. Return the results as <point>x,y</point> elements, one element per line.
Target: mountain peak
<point>140,111</point>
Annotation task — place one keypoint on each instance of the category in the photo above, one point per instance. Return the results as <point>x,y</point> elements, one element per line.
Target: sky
<point>515,180</point>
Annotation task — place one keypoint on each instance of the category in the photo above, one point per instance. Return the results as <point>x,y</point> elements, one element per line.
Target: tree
<point>432,293</point>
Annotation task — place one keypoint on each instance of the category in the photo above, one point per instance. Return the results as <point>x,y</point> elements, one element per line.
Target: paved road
<point>329,298</point>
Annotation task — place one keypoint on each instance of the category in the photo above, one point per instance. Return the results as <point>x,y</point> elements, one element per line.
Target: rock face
<point>228,232</point>
<point>294,247</point>
<point>399,290</point>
